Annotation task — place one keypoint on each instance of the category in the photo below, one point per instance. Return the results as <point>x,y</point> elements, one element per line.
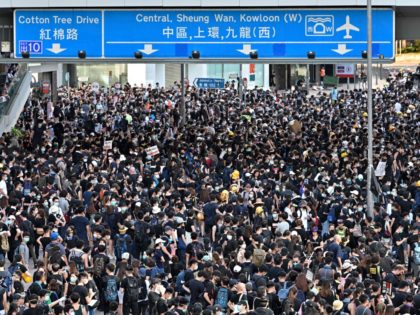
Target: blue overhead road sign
<point>217,34</point>
<point>58,34</point>
<point>209,83</point>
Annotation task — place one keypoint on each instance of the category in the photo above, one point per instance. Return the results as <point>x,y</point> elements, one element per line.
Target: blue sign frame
<point>61,33</point>
<point>217,34</point>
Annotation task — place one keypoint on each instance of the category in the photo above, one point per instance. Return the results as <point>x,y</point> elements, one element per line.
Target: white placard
<point>152,151</point>
<point>108,145</point>
<point>380,169</point>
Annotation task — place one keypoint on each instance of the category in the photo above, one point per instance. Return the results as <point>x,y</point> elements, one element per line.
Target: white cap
<point>125,256</point>
<point>237,269</point>
<point>159,240</point>
<point>355,192</point>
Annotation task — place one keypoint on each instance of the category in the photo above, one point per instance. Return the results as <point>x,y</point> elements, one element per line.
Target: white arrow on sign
<point>246,49</point>
<point>342,49</point>
<point>56,49</point>
<point>148,49</point>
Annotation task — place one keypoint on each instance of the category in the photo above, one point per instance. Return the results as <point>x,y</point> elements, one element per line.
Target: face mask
<point>26,239</point>
<point>229,237</point>
<point>73,279</point>
<point>236,309</point>
<point>56,203</point>
<point>46,204</point>
<point>113,203</point>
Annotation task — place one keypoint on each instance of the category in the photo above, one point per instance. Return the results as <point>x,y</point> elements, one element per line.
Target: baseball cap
<point>125,256</point>
<point>159,240</point>
<point>54,236</point>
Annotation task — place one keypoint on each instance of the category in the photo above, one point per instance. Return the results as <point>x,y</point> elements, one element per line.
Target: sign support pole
<point>307,79</point>
<point>182,107</point>
<point>369,110</point>
<point>240,83</point>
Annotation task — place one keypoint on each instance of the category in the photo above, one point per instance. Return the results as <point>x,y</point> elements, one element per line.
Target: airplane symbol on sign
<point>348,27</point>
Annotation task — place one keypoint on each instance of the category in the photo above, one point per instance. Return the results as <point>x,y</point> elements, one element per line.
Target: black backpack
<point>141,236</point>
<point>142,290</point>
<point>54,254</point>
<point>132,289</point>
<point>76,257</point>
<point>197,248</point>
<point>99,265</point>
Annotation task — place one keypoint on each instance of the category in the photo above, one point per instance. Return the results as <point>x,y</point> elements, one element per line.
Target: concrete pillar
<point>317,76</point>
<point>60,75</point>
<point>266,75</point>
<point>136,73</point>
<point>54,85</point>
<point>72,70</point>
<point>160,74</point>
<point>245,74</point>
<point>280,77</point>
<point>150,74</point>
<point>155,73</point>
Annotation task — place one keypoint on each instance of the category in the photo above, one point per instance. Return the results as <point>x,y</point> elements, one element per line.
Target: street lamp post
<point>369,110</point>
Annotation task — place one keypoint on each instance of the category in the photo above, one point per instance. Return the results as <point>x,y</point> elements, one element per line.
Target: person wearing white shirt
<point>56,211</point>
<point>3,186</point>
<point>3,191</point>
<point>284,225</point>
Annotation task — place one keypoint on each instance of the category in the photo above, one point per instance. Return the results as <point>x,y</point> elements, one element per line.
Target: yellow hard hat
<point>365,114</point>
<point>224,196</point>
<point>234,188</point>
<point>259,210</point>
<point>344,154</point>
<point>235,175</point>
<point>418,183</point>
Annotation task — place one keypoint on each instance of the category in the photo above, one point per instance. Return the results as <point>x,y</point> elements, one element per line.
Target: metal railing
<point>12,89</point>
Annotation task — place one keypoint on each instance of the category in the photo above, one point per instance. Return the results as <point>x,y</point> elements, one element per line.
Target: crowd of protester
<point>6,80</point>
<point>112,202</point>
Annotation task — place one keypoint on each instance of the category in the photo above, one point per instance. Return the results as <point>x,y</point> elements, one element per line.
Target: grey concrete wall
<point>407,28</point>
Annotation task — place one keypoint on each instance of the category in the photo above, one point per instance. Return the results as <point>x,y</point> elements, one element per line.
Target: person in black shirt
<point>400,294</point>
<point>86,295</point>
<point>196,287</point>
<point>130,288</point>
<point>33,309</point>
<point>162,303</point>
